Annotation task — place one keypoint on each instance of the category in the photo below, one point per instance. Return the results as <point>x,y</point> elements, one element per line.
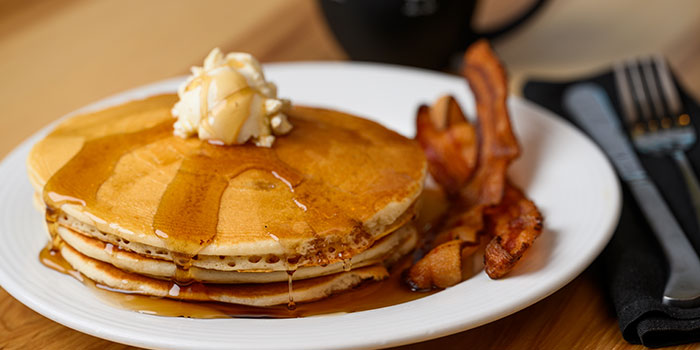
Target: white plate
<point>565,173</point>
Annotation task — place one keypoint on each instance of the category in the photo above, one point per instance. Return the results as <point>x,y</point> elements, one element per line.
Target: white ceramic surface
<point>565,173</point>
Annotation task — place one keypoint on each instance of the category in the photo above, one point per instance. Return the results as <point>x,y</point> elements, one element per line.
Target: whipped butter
<point>228,101</point>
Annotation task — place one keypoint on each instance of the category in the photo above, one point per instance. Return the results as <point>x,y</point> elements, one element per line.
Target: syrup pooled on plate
<point>367,296</point>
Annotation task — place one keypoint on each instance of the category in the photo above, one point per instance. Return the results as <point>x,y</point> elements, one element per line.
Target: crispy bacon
<point>488,82</point>
<point>441,267</point>
<point>476,190</point>
<point>514,224</point>
<point>449,142</point>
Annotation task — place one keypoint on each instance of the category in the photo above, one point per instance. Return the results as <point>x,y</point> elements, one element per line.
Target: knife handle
<point>683,285</point>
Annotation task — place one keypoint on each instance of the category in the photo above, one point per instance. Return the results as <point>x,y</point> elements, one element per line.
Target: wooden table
<point>56,56</point>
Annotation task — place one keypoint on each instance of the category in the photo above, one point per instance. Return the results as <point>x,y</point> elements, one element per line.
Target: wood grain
<point>56,56</point>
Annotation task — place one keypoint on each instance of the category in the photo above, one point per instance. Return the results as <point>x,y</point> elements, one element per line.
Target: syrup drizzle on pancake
<point>190,205</point>
<point>187,216</point>
<point>291,305</point>
<point>188,213</point>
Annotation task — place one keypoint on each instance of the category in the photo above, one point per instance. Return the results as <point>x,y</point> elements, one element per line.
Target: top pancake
<point>326,190</point>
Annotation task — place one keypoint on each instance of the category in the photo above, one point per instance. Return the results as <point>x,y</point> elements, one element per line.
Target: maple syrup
<point>366,296</point>
<point>187,216</point>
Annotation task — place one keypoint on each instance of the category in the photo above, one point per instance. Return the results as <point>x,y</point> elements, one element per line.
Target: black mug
<point>421,33</point>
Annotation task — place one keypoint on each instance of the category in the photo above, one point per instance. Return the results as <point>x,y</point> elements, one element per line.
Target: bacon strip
<point>474,189</point>
<point>498,146</point>
<point>441,267</point>
<point>515,223</point>
<point>488,82</point>
<point>449,142</point>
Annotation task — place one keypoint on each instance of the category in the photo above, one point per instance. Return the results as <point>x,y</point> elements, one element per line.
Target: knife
<point>590,106</point>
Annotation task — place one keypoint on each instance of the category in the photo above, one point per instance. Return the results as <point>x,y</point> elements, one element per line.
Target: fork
<point>655,117</point>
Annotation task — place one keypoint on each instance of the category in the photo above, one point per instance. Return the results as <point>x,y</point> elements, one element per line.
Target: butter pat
<point>228,101</point>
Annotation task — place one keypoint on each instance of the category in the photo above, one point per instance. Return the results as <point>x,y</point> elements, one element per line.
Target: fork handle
<point>691,181</point>
<point>683,285</point>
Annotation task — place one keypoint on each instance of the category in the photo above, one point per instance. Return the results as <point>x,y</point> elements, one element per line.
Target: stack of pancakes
<point>137,209</point>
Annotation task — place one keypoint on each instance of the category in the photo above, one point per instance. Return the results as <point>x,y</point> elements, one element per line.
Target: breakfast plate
<point>560,169</point>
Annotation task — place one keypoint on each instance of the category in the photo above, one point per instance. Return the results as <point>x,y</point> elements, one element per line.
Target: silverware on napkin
<point>590,107</point>
<point>654,113</point>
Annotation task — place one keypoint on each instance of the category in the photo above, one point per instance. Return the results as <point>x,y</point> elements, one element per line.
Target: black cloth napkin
<point>632,265</point>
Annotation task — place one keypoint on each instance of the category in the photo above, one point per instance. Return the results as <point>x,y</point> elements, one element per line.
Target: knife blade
<point>590,106</point>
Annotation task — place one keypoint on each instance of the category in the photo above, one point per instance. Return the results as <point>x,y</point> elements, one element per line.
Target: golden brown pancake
<point>216,262</point>
<point>247,294</point>
<point>385,249</point>
<point>335,183</point>
<point>134,207</point>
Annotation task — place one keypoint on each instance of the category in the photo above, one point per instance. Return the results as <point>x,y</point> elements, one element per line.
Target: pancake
<point>321,194</point>
<point>215,262</point>
<point>268,294</point>
<point>137,209</point>
<point>384,250</point>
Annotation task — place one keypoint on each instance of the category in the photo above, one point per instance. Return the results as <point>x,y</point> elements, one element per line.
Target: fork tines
<point>648,95</point>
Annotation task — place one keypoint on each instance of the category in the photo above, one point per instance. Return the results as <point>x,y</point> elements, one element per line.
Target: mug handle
<point>508,27</point>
